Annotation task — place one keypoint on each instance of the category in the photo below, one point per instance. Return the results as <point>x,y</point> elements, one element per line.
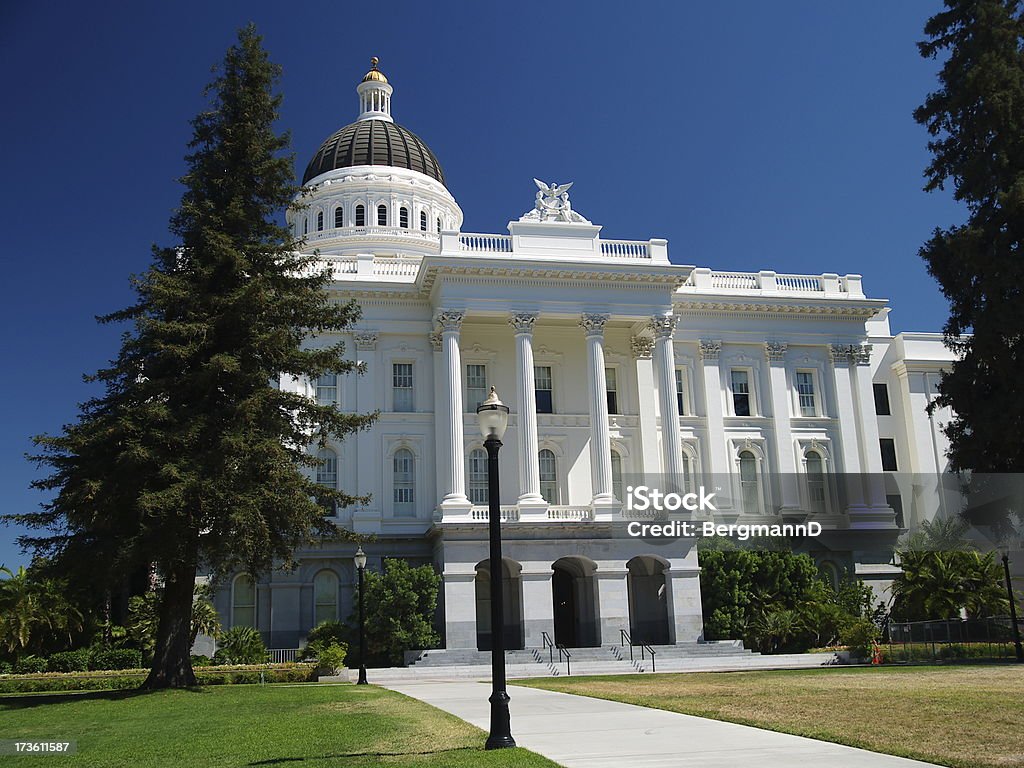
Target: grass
<point>964,716</point>
<point>308,725</point>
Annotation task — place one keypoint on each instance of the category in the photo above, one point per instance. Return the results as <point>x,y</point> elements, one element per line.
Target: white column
<point>530,501</point>
<point>368,474</point>
<point>643,348</point>
<point>870,453</point>
<point>665,370</point>
<point>600,436</point>
<point>846,410</point>
<point>455,485</point>
<point>782,428</point>
<point>443,453</point>
<point>718,461</point>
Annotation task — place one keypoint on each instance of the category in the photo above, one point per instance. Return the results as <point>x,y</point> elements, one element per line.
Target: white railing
<point>479,243</point>
<point>570,513</point>
<point>509,513</point>
<point>341,266</point>
<point>387,233</point>
<point>735,280</point>
<point>283,655</point>
<point>801,283</point>
<point>625,249</point>
<point>380,266</point>
<point>396,266</point>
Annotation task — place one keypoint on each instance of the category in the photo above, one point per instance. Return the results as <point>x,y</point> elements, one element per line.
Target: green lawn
<point>964,716</point>
<point>240,725</point>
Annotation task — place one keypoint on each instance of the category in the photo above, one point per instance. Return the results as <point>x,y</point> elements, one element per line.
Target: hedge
<point>112,681</point>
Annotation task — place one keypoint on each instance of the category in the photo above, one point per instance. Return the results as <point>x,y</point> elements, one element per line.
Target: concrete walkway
<point>593,733</point>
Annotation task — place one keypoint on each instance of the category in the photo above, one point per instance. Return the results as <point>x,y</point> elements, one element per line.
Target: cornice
<point>843,308</point>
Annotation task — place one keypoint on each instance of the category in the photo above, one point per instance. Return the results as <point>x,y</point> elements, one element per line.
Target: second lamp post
<point>493,417</point>
<point>360,559</point>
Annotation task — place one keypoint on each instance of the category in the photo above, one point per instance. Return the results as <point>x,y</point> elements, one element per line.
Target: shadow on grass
<point>344,755</point>
<point>25,700</point>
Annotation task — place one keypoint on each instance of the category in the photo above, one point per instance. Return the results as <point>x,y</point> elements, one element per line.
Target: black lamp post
<point>493,417</point>
<point>1013,608</point>
<point>360,560</point>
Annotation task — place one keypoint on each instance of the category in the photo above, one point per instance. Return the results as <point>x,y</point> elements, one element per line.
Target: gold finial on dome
<point>374,73</point>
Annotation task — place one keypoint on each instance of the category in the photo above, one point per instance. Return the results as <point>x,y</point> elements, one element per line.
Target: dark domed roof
<point>374,142</point>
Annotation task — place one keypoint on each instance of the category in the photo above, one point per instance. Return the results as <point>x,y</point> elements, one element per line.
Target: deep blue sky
<point>751,135</point>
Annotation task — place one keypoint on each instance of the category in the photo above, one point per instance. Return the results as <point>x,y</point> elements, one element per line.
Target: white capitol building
<point>618,364</point>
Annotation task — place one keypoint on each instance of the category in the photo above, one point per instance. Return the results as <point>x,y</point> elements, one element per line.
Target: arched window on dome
<point>439,225</point>
<point>325,597</point>
<point>360,215</point>
<point>423,221</point>
<point>382,215</point>
<point>320,221</point>
<point>339,217</point>
<point>403,217</point>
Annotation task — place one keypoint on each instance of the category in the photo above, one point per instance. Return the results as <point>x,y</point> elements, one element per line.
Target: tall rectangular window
<point>404,466</point>
<point>888,447</point>
<point>543,387</point>
<point>401,387</point>
<point>896,502</point>
<point>327,389</point>
<point>805,393</point>
<point>477,487</point>
<point>740,392</point>
<point>681,392</point>
<point>881,399</point>
<point>476,386</point>
<point>612,390</point>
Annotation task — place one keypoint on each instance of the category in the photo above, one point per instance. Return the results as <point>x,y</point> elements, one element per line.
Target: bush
<point>5,667</point>
<point>332,657</point>
<point>68,661</point>
<point>858,636</point>
<point>201,660</point>
<point>102,681</point>
<point>324,634</point>
<point>115,658</point>
<point>242,645</point>
<point>28,665</point>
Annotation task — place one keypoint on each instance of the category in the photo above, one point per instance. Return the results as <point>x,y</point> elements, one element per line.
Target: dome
<point>374,73</point>
<point>374,142</point>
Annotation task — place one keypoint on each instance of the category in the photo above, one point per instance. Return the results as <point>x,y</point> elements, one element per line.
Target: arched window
<point>478,476</point>
<point>305,225</point>
<point>327,389</point>
<point>616,475</point>
<point>403,217</point>
<point>687,473</point>
<point>339,217</point>
<point>548,476</point>
<point>327,475</point>
<point>439,225</point>
<point>815,480</point>
<point>423,221</point>
<point>748,482</point>
<point>404,467</point>
<point>320,221</point>
<point>243,601</point>
<point>325,597</point>
<point>360,215</point>
<point>382,215</point>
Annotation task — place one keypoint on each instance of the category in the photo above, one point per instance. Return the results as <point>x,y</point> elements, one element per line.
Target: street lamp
<point>360,560</point>
<point>492,415</point>
<point>1013,606</point>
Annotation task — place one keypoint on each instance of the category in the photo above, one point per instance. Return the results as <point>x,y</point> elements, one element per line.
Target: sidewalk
<point>594,733</point>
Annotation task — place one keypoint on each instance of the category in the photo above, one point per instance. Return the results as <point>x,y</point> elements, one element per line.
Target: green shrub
<point>242,645</point>
<point>115,658</point>
<point>324,634</point>
<point>5,667</point>
<point>333,657</point>
<point>201,660</point>
<point>28,665</point>
<point>99,681</point>
<point>68,661</point>
<point>858,636</point>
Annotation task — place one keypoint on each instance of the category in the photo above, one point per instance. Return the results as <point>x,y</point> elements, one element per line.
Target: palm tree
<point>34,614</point>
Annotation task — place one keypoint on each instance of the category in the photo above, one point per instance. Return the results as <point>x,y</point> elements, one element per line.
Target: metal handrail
<point>625,639</point>
<point>563,650</point>
<point>547,643</point>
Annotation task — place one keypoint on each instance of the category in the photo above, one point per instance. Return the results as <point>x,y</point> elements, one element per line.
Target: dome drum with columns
<point>374,181</point>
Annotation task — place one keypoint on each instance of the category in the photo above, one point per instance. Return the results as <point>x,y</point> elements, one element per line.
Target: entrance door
<point>563,592</point>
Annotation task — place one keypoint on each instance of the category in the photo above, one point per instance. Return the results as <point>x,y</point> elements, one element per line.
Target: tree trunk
<point>172,660</point>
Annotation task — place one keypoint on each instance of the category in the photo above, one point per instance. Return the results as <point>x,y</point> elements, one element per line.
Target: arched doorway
<point>574,598</point>
<point>648,600</point>
<point>512,601</point>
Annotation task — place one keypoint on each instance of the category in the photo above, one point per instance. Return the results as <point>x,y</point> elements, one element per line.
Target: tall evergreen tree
<point>976,120</point>
<point>192,455</point>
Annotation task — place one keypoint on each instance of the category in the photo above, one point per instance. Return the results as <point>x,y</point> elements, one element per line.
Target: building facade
<point>618,365</point>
